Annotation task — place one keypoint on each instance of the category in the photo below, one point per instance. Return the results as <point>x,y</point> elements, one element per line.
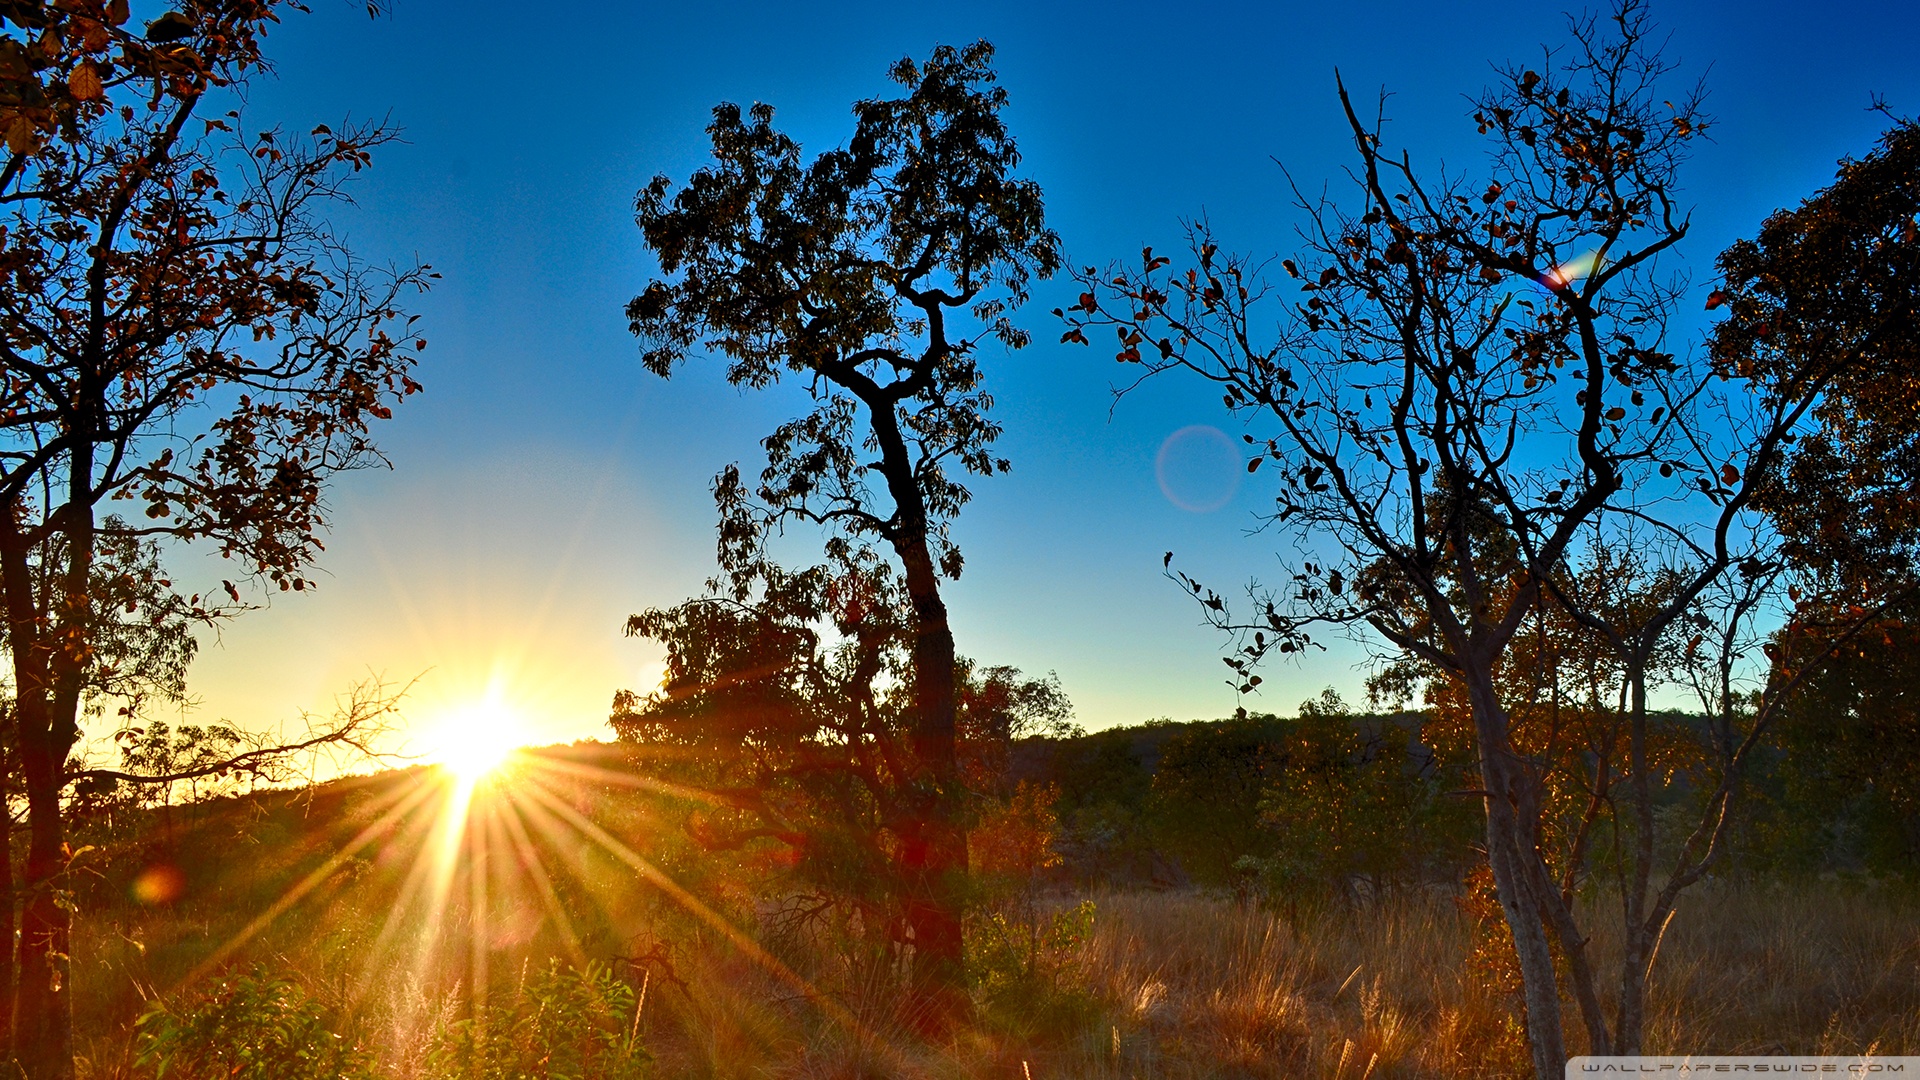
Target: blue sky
<point>545,487</point>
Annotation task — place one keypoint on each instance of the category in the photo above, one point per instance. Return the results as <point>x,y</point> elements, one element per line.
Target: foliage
<point>1353,812</point>
<point>184,331</point>
<point>1207,792</point>
<point>1025,967</point>
<point>561,1024</point>
<point>873,275</point>
<point>1015,841</point>
<point>1832,288</point>
<point>248,1027</point>
<point>1847,783</point>
<point>792,715</point>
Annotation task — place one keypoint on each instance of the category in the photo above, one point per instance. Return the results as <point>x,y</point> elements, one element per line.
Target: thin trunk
<point>1630,1017</point>
<point>936,851</point>
<point>1573,945</point>
<point>1509,843</point>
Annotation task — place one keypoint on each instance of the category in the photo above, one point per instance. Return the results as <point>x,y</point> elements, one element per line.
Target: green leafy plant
<point>560,1024</point>
<point>251,1027</point>
<point>1027,972</point>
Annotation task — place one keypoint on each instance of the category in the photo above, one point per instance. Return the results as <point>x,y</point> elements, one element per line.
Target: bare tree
<point>1472,386</point>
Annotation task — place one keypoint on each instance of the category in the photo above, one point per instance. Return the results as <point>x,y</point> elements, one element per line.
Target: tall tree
<point>181,330</point>
<point>1831,289</point>
<point>1471,388</point>
<point>873,274</point>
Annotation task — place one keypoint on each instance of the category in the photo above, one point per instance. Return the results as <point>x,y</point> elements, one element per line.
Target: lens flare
<point>1564,275</point>
<point>1199,468</point>
<point>159,884</point>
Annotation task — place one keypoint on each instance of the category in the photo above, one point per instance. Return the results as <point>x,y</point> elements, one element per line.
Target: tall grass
<point>1174,985</point>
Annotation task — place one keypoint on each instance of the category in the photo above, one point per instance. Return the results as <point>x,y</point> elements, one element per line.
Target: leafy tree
<point>1352,805</point>
<point>800,739</point>
<point>1471,386</point>
<point>874,275</point>
<point>1833,285</point>
<point>1849,776</point>
<point>1831,290</point>
<point>1207,791</point>
<point>181,330</point>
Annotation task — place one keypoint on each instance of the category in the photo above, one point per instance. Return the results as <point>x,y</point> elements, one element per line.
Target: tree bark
<point>46,697</point>
<point>7,898</point>
<point>1509,843</point>
<point>935,852</point>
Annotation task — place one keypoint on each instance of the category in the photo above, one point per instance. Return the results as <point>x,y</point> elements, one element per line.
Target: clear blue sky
<point>545,487</point>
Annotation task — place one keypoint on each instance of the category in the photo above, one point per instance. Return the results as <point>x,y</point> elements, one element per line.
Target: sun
<point>477,739</point>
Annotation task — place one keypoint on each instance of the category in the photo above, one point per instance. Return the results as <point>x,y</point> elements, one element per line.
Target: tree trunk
<point>46,697</point>
<point>7,900</point>
<point>43,1029</point>
<point>1630,1017</point>
<point>936,852</point>
<point>1509,842</point>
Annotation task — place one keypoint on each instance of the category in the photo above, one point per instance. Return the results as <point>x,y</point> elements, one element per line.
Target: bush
<point>562,1024</point>
<point>1028,971</point>
<point>250,1027</point>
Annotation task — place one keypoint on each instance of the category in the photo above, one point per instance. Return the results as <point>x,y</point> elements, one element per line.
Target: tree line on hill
<point>1332,805</point>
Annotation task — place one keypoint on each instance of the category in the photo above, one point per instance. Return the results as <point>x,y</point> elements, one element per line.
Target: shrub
<point>1027,969</point>
<point>249,1027</point>
<point>561,1024</point>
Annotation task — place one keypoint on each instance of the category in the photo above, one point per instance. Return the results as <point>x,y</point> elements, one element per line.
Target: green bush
<point>561,1024</point>
<point>1026,968</point>
<point>249,1027</point>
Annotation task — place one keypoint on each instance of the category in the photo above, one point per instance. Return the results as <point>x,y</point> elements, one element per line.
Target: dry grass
<point>1165,986</point>
<point>1194,986</point>
<point>1203,987</point>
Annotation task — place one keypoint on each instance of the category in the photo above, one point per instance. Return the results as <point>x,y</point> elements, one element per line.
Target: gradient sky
<point>544,487</point>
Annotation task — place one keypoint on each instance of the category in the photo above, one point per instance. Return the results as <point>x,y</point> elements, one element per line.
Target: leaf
<point>1254,464</point>
<point>1715,299</point>
<point>21,137</point>
<point>1616,413</point>
<point>83,82</point>
<point>1729,474</point>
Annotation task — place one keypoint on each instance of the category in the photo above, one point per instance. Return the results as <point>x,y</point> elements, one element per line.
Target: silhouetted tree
<point>1472,387</point>
<point>874,275</point>
<point>181,330</point>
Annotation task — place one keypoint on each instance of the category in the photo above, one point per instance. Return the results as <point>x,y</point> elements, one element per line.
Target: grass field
<point>384,938</point>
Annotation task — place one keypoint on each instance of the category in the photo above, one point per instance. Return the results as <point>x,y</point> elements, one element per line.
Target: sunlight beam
<point>653,875</point>
<point>306,885</point>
